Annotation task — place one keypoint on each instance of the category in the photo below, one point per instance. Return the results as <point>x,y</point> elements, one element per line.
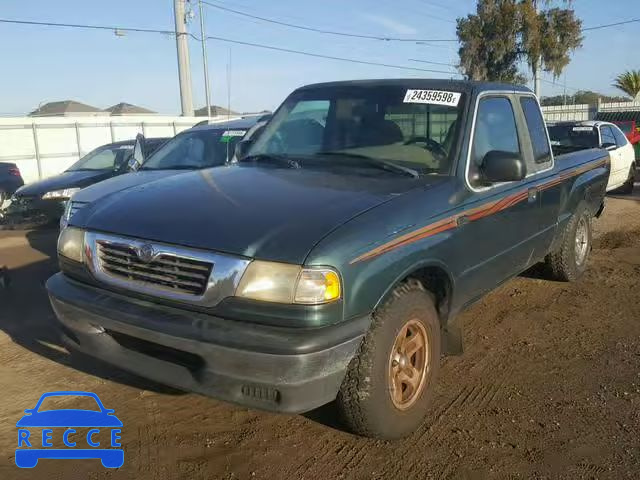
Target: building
<point>128,109</point>
<point>215,111</point>
<point>66,108</point>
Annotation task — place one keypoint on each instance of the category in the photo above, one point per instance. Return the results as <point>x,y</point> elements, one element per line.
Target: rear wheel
<point>627,187</point>
<point>570,260</point>
<point>387,387</point>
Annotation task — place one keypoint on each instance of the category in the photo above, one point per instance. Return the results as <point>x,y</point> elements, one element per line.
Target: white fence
<point>45,146</point>
<point>586,112</point>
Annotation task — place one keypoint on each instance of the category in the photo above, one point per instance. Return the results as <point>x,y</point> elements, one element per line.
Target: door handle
<point>533,194</point>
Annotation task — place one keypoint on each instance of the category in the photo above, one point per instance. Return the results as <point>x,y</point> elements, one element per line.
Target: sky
<point>43,64</point>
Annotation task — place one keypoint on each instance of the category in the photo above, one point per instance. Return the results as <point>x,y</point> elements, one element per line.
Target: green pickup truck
<point>331,261</point>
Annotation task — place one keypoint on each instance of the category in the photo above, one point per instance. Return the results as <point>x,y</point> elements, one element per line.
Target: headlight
<point>64,219</point>
<point>284,283</point>
<point>60,194</point>
<point>71,244</point>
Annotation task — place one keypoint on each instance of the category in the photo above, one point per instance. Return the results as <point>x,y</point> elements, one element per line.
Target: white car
<point>571,136</point>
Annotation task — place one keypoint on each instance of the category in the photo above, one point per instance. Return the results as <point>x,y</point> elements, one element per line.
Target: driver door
<point>499,227</point>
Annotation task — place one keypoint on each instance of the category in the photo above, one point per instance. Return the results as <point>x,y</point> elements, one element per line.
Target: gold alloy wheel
<point>408,364</point>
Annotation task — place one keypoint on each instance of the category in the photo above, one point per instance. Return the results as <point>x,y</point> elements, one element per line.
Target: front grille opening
<point>167,272</point>
<point>191,361</point>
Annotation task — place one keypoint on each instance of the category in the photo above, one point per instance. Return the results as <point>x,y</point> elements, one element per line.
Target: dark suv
<point>47,198</point>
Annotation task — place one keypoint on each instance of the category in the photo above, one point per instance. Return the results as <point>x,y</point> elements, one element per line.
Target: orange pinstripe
<point>472,214</point>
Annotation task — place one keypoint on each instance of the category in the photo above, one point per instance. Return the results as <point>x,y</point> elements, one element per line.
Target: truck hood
<point>270,213</point>
<point>121,182</point>
<point>71,179</point>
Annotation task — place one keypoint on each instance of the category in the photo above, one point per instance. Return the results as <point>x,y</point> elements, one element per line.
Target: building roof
<point>215,110</point>
<point>124,108</point>
<point>65,107</point>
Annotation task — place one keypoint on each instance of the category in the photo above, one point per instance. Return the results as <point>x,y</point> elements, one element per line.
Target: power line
<point>89,27</point>
<point>329,57</point>
<point>433,63</point>
<point>323,31</point>
<point>598,27</point>
<point>222,39</point>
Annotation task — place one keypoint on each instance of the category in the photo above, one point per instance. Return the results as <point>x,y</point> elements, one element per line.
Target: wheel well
<point>437,281</point>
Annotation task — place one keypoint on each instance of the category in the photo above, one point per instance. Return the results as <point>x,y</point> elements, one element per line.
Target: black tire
<point>564,264</point>
<point>627,188</point>
<point>365,396</point>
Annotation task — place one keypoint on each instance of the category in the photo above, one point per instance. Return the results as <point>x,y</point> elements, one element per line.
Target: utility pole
<point>203,36</point>
<point>182,45</point>
<point>537,84</point>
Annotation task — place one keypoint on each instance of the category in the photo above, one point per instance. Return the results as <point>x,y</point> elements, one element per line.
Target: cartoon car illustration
<point>68,419</point>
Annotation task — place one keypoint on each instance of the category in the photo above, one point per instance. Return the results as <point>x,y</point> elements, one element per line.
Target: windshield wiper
<point>272,158</point>
<point>387,165</point>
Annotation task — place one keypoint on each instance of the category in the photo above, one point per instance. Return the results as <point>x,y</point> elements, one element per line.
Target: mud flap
<point>452,341</point>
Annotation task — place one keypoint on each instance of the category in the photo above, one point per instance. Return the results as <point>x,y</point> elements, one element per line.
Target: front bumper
<point>273,368</point>
<point>35,208</point>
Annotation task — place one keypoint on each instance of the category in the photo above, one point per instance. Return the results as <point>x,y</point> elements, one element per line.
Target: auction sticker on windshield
<point>229,134</point>
<point>433,97</point>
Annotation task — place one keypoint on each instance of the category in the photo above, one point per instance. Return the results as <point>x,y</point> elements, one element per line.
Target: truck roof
<point>242,123</point>
<point>465,86</point>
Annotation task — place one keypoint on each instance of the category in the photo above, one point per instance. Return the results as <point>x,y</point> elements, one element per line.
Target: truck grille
<point>165,271</point>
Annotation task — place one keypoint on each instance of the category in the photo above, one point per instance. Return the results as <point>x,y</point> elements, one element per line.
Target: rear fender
<point>588,187</point>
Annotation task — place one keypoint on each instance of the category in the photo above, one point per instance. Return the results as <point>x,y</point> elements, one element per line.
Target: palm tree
<point>629,83</point>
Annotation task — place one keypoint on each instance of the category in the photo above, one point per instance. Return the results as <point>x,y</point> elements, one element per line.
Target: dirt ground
<point>549,387</point>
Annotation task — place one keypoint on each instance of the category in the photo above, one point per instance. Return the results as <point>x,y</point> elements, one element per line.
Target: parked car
<point>331,262</point>
<point>573,136</point>
<point>47,198</point>
<point>197,148</point>
<point>10,180</point>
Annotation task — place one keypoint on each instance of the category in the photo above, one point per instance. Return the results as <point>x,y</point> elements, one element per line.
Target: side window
<point>537,131</point>
<point>607,136</point>
<point>621,140</point>
<point>495,129</point>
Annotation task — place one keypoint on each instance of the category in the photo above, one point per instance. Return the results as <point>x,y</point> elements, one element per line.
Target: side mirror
<point>137,157</point>
<point>242,148</point>
<point>499,166</point>
<point>609,146</point>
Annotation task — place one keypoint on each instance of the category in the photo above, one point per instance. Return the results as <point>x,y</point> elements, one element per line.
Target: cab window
<point>537,132</point>
<point>495,129</point>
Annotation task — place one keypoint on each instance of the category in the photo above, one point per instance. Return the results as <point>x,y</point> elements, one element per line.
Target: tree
<point>629,83</point>
<point>489,49</point>
<point>579,98</point>
<point>503,33</point>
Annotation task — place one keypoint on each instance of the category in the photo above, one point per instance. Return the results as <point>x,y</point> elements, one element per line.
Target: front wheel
<point>570,260</point>
<point>386,390</point>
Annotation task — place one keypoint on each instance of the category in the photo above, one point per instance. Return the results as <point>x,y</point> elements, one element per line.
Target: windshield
<point>390,128</point>
<point>577,136</point>
<point>195,149</point>
<point>104,158</point>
